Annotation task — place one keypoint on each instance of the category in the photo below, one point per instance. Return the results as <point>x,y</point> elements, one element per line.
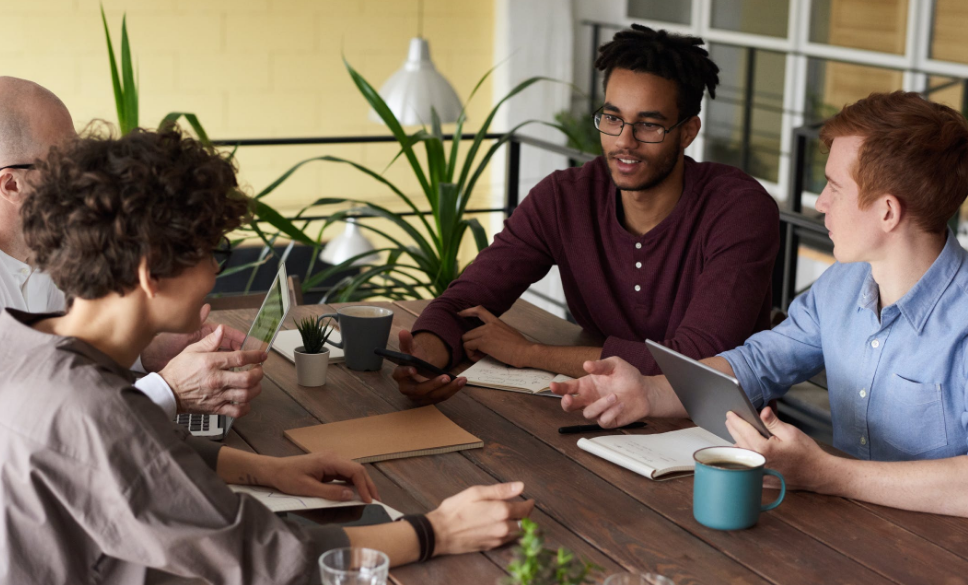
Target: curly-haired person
<point>188,373</point>
<point>649,243</point>
<point>98,485</point>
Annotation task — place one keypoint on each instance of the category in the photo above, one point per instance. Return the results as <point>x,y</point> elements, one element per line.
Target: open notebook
<point>287,341</point>
<point>657,456</point>
<point>280,502</point>
<point>490,373</point>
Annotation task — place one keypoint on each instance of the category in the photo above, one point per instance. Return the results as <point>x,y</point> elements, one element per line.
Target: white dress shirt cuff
<point>155,388</point>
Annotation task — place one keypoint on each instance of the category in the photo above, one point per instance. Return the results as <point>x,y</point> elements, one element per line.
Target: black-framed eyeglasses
<point>647,132</point>
<point>24,167</point>
<point>221,254</point>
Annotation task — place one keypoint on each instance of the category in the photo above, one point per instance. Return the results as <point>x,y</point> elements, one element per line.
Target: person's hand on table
<point>479,518</point>
<point>612,394</point>
<point>203,381</point>
<point>429,348</point>
<point>165,346</point>
<point>312,474</point>
<point>496,339</point>
<point>789,451</point>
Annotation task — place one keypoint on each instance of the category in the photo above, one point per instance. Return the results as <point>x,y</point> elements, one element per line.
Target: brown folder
<point>408,433</point>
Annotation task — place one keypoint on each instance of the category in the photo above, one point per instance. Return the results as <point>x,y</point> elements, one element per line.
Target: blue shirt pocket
<point>915,416</point>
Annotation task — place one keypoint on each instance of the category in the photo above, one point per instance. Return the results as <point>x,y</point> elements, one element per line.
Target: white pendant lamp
<point>417,87</point>
<point>350,243</point>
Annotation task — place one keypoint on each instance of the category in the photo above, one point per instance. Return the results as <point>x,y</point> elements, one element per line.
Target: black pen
<point>596,428</point>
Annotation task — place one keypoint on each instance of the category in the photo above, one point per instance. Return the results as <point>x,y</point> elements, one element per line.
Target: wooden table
<point>604,513</point>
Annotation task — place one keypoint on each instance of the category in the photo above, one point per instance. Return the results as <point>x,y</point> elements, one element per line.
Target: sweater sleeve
<point>520,255</point>
<point>740,245</point>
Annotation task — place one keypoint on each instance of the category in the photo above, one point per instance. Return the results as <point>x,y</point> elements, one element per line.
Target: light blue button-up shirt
<point>897,384</point>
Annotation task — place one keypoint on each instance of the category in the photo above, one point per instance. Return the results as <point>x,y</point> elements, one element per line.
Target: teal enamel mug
<point>728,487</point>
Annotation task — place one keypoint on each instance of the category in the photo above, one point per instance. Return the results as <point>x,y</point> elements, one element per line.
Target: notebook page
<point>280,502</point>
<point>662,451</point>
<point>491,373</point>
<point>287,341</point>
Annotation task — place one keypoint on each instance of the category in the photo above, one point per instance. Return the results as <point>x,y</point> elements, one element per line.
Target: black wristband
<point>425,535</point>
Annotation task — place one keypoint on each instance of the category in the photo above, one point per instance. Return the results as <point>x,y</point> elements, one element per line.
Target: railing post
<point>593,85</point>
<point>513,177</point>
<point>748,107</point>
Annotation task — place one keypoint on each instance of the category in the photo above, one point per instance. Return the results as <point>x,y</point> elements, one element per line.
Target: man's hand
<point>496,339</point>
<point>416,387</point>
<point>203,381</point>
<point>789,450</point>
<point>479,518</point>
<point>613,393</point>
<point>165,346</point>
<point>310,475</point>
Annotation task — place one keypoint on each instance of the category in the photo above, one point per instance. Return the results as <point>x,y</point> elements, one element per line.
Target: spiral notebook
<point>408,433</point>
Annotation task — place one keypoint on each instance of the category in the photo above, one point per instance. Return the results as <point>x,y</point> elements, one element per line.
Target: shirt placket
<point>875,346</point>
<point>638,256</point>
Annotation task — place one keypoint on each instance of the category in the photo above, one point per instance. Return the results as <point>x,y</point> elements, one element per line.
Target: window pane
<point>949,91</point>
<point>948,39</point>
<point>831,85</point>
<point>758,17</point>
<point>662,10</point>
<point>727,141</point>
<point>874,25</point>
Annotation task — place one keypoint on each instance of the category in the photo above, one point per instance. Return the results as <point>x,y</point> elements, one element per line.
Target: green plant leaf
<point>115,78</point>
<point>172,118</point>
<point>130,88</point>
<point>338,268</point>
<point>269,215</point>
<point>480,236</point>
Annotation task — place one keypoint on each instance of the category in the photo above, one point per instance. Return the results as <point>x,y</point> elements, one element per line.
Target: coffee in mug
<point>728,487</point>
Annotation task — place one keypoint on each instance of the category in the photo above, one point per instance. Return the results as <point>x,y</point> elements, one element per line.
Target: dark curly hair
<point>103,203</point>
<point>678,58</point>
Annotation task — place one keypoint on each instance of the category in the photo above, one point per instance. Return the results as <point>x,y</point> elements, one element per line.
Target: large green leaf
<point>172,118</point>
<point>269,215</point>
<point>130,90</point>
<point>115,78</point>
<point>480,236</point>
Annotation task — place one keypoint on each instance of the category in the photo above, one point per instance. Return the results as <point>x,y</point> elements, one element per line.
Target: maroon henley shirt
<point>699,282</point>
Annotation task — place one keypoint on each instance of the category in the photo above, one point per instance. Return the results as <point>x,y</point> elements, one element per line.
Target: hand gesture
<point>479,518</point>
<point>612,394</point>
<point>310,475</point>
<point>416,387</point>
<point>165,346</point>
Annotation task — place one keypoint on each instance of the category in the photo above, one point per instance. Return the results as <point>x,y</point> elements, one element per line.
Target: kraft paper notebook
<point>287,341</point>
<point>490,373</point>
<point>657,456</point>
<point>408,433</point>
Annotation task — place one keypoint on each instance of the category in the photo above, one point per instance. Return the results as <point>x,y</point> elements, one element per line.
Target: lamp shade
<point>418,86</point>
<point>348,244</point>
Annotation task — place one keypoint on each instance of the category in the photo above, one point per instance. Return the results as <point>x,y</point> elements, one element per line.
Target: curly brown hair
<point>103,203</point>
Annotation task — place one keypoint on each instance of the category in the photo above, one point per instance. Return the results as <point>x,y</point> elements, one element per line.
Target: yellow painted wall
<point>255,68</point>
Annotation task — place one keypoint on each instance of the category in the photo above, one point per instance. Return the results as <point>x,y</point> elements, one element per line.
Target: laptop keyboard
<point>194,422</point>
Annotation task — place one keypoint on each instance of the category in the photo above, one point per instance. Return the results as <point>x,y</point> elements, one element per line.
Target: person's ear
<point>690,129</point>
<point>147,282</point>
<point>11,187</point>
<point>890,213</point>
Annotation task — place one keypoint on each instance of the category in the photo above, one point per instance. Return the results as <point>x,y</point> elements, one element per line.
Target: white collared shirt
<point>27,289</point>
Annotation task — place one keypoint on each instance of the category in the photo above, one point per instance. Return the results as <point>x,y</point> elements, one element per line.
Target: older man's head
<point>32,120</point>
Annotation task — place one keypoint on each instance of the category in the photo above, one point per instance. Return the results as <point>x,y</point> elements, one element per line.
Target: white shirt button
<point>863,440</point>
<point>637,288</point>
<point>863,393</point>
<point>25,271</point>
<point>638,265</point>
<point>638,245</point>
<point>875,344</point>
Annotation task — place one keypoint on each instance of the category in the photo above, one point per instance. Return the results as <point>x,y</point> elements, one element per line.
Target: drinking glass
<point>354,566</point>
<point>638,579</point>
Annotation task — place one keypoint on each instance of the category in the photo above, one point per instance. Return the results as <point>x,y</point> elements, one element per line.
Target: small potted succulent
<point>534,564</point>
<point>312,357</point>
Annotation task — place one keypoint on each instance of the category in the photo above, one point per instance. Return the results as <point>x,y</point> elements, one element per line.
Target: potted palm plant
<point>312,357</point>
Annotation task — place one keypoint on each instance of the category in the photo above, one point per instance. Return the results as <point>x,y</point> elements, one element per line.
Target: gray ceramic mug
<point>363,329</point>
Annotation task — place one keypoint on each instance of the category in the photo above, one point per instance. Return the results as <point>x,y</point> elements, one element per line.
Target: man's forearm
<point>934,486</point>
<point>559,359</point>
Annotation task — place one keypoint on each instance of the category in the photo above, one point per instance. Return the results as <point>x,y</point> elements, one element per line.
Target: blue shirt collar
<point>918,303</point>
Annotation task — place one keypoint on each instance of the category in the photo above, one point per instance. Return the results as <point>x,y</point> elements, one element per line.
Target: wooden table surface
<point>603,512</point>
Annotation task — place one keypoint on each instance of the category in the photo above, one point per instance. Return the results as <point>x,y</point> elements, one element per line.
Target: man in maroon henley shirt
<point>649,243</point>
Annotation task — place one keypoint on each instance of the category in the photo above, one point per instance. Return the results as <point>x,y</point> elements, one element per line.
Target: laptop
<point>706,393</point>
<point>261,334</point>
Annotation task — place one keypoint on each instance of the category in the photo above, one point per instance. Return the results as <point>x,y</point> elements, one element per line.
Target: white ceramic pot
<point>311,367</point>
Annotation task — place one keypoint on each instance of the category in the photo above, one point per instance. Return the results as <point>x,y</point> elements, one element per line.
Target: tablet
<point>706,393</point>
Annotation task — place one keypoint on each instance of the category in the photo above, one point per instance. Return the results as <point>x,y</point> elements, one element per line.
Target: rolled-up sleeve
<point>772,361</point>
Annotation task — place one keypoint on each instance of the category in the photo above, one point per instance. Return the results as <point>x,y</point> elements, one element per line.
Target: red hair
<point>913,149</point>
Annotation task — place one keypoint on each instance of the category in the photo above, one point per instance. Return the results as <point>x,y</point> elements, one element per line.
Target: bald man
<point>191,375</point>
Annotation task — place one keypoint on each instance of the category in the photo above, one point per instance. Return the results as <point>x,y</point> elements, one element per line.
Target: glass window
<point>758,17</point>
<point>661,10</point>
<point>874,25</point>
<point>746,137</point>
<point>948,39</point>
<point>949,91</point>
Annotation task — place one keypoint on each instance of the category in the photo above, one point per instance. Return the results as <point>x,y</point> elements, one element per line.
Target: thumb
<point>599,367</point>
<point>500,491</point>
<point>406,341</point>
<point>210,342</point>
<point>206,309</point>
<point>769,418</point>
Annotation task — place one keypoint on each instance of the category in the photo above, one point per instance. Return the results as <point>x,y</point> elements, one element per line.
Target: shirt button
<point>637,288</point>
<point>24,271</point>
<point>863,393</point>
<point>638,265</point>
<point>875,344</point>
<point>863,440</point>
<point>638,245</point>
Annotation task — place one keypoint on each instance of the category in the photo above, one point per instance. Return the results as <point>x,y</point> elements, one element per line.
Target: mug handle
<point>776,502</point>
<point>334,316</point>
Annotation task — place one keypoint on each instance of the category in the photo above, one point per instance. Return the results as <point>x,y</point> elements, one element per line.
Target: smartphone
<point>364,515</point>
<point>405,359</point>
